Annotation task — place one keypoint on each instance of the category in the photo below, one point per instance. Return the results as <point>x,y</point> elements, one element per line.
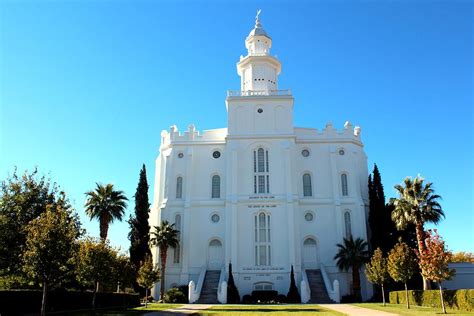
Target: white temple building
<point>262,194</point>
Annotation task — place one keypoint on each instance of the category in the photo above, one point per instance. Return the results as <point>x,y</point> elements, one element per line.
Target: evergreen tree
<point>293,296</point>
<point>381,225</point>
<point>139,228</point>
<point>233,296</point>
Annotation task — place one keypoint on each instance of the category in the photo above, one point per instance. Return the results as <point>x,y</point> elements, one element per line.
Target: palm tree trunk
<point>163,253</point>
<point>104,227</point>
<point>356,282</point>
<point>441,296</point>
<point>43,302</point>
<point>406,296</point>
<point>420,237</point>
<point>383,296</point>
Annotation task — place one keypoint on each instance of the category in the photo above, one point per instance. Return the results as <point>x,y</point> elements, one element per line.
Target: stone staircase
<point>319,294</point>
<point>209,288</point>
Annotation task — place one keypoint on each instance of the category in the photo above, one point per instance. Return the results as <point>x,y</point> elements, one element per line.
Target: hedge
<point>19,302</point>
<point>455,299</point>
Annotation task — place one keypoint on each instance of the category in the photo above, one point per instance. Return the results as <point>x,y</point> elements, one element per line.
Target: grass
<point>231,310</point>
<point>152,307</point>
<point>401,309</point>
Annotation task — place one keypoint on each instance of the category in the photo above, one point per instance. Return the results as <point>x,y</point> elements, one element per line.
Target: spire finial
<point>257,18</point>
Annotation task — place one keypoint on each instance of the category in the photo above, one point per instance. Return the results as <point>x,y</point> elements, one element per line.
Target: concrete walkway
<point>185,309</point>
<point>354,310</point>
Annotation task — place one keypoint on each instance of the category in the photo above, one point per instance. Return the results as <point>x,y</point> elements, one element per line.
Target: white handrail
<point>333,289</point>
<point>305,289</point>
<point>250,93</point>
<point>222,288</point>
<point>195,293</point>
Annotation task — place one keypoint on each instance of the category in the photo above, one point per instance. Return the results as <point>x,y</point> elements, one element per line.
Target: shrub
<point>247,299</point>
<point>349,299</point>
<point>455,299</point>
<point>282,299</point>
<point>174,295</point>
<point>185,289</point>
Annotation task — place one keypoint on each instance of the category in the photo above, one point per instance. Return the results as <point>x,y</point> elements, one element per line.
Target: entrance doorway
<point>215,255</point>
<point>310,253</point>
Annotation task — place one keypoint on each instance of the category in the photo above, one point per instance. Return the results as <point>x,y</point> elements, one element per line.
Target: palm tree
<point>417,204</point>
<point>352,254</point>
<point>105,204</point>
<point>163,237</point>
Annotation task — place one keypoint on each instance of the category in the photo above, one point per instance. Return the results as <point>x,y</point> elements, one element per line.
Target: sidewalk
<point>354,310</point>
<point>182,310</point>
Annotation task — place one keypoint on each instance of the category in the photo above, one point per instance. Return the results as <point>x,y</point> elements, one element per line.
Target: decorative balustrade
<point>304,287</point>
<point>333,289</point>
<point>194,291</point>
<point>251,93</point>
<point>222,288</point>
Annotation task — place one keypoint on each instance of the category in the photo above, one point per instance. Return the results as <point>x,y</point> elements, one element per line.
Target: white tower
<point>258,70</point>
<point>259,108</point>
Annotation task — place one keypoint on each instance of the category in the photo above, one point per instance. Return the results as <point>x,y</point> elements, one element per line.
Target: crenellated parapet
<point>348,132</point>
<point>174,136</point>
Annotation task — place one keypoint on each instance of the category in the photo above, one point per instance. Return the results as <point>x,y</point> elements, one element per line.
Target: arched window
<point>177,249</point>
<point>347,224</point>
<point>307,189</point>
<point>216,187</point>
<point>345,192</point>
<point>179,188</point>
<point>309,242</point>
<point>262,240</point>
<point>261,178</point>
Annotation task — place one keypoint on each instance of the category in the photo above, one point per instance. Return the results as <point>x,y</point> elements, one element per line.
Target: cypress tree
<point>293,296</point>
<point>380,221</point>
<point>139,227</point>
<point>233,296</point>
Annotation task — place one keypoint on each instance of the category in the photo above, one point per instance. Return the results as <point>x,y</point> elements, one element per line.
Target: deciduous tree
<point>94,264</point>
<point>402,265</point>
<point>50,248</point>
<point>22,199</point>
<point>377,272</point>
<point>148,275</point>
<point>434,261</point>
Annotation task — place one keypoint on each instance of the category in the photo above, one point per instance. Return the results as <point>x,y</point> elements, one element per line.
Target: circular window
<point>260,110</point>
<point>341,152</point>
<point>215,218</point>
<point>305,152</point>
<point>308,217</point>
<point>216,154</point>
<point>180,155</point>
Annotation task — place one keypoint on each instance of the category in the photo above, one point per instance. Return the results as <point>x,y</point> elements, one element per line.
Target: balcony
<point>253,93</point>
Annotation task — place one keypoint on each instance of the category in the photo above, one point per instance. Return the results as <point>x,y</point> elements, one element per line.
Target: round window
<point>180,155</point>
<point>341,152</point>
<point>308,217</point>
<point>216,154</point>
<point>215,218</point>
<point>305,152</point>
<point>260,110</point>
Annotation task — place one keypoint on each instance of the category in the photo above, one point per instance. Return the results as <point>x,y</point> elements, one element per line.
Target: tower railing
<point>251,93</point>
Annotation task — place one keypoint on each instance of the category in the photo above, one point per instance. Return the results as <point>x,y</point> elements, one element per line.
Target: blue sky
<point>87,86</point>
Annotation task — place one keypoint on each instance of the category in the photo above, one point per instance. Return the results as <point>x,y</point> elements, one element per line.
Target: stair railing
<point>222,288</point>
<point>304,287</point>
<point>195,290</point>
<point>333,289</point>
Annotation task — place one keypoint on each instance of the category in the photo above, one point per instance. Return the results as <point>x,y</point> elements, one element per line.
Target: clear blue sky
<point>87,86</point>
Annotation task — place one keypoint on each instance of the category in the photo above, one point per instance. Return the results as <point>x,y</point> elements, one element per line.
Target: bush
<point>174,295</point>
<point>19,302</point>
<point>185,289</point>
<point>247,299</point>
<point>263,297</point>
<point>455,299</point>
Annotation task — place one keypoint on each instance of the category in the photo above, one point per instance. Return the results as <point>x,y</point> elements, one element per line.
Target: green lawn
<point>230,310</point>
<point>152,307</point>
<point>401,309</point>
